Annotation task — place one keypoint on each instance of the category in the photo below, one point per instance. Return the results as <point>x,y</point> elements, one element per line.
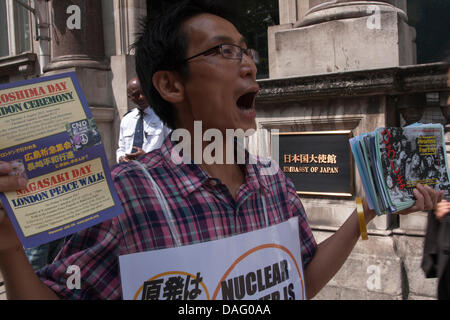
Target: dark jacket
<point>435,262</point>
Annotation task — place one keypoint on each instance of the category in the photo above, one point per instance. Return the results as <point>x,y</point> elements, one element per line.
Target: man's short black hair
<point>162,46</point>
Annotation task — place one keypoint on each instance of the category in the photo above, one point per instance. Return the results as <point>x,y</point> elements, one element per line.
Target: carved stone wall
<point>342,64</point>
<point>100,54</point>
<point>388,265</point>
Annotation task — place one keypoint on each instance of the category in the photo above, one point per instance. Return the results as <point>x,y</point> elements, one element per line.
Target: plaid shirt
<point>203,209</point>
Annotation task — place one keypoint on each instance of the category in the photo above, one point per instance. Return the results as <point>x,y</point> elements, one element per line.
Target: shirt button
<point>213,182</point>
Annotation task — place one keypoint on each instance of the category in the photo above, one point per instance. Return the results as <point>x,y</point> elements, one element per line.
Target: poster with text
<point>48,134</point>
<point>263,264</point>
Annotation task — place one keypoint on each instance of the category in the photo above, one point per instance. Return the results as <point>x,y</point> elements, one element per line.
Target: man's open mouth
<point>247,101</point>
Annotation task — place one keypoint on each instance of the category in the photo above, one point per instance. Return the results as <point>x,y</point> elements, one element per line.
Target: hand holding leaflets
<point>426,199</point>
<point>54,175</point>
<point>403,170</point>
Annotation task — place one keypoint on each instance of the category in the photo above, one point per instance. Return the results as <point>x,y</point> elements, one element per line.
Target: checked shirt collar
<point>190,177</point>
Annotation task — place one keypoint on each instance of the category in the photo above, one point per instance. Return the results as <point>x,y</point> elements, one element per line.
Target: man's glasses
<point>229,51</point>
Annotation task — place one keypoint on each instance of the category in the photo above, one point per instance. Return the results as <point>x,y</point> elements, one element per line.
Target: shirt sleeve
<point>121,150</point>
<point>87,267</point>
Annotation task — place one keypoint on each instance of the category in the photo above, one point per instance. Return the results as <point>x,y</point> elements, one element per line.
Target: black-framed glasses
<point>229,51</point>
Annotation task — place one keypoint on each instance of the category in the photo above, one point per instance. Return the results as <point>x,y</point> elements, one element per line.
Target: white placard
<point>263,264</point>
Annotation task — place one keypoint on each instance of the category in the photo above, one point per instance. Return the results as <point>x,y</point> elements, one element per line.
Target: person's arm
<point>442,209</point>
<point>120,153</point>
<point>20,280</point>
<point>334,251</point>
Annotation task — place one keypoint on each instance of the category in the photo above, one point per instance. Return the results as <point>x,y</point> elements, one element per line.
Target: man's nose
<point>248,66</point>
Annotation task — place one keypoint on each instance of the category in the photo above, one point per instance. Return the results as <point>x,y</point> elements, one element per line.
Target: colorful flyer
<point>49,135</point>
<point>263,264</point>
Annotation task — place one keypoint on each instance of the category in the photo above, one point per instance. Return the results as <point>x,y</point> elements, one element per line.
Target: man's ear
<point>169,86</point>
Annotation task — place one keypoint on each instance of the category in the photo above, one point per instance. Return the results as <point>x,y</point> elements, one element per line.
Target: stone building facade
<point>333,65</point>
<point>91,38</point>
<point>351,65</point>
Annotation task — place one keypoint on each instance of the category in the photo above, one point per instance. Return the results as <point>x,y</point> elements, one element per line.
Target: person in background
<point>141,130</point>
<point>435,262</point>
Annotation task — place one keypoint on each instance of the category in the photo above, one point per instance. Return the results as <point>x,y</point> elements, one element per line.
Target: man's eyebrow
<point>228,39</point>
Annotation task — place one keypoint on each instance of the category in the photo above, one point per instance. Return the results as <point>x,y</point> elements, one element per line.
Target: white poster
<point>263,264</point>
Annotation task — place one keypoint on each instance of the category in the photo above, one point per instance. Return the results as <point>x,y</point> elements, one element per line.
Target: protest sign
<point>263,264</point>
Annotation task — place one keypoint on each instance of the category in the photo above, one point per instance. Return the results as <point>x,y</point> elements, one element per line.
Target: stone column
<point>339,36</point>
<point>77,45</point>
<point>342,36</point>
<point>127,16</point>
<point>73,45</point>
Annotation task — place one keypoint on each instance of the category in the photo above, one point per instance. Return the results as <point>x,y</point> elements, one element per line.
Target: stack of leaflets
<point>392,161</point>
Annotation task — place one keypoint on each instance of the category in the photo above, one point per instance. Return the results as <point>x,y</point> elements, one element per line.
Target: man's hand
<point>426,199</point>
<point>20,280</point>
<point>8,236</point>
<point>442,209</point>
<point>124,159</point>
<point>133,156</point>
<point>10,182</point>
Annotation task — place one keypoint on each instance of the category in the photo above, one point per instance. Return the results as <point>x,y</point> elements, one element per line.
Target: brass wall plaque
<point>319,163</point>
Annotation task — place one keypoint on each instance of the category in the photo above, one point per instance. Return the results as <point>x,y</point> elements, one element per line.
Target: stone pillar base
<point>343,37</point>
<point>76,61</point>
